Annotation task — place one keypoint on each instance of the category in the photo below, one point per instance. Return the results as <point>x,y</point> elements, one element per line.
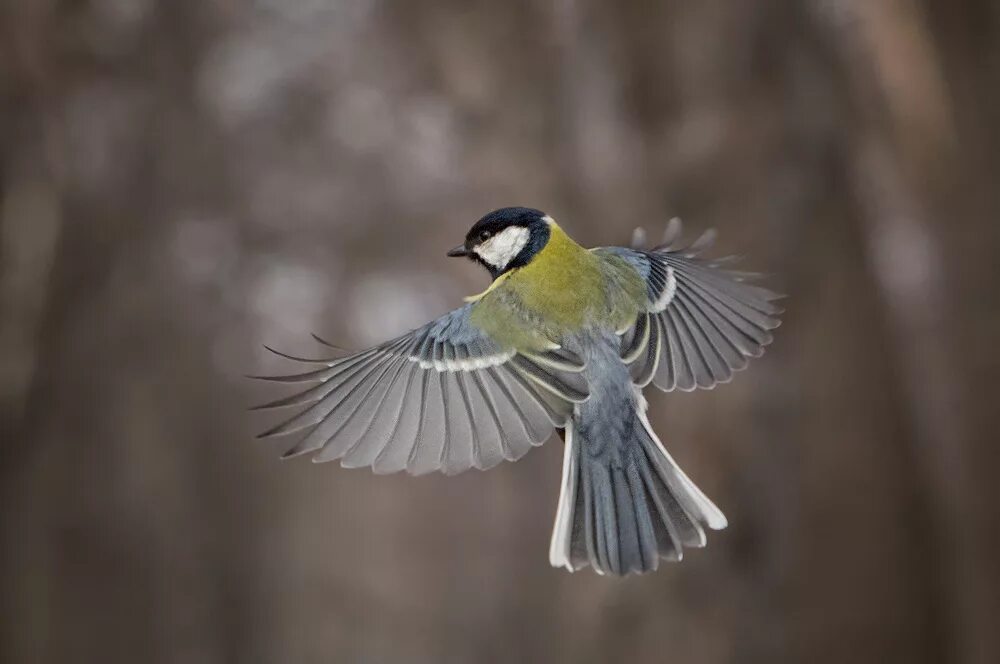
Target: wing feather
<point>443,397</point>
<point>680,351</point>
<point>700,331</point>
<point>486,420</point>
<point>456,456</point>
<point>396,451</point>
<point>346,383</point>
<point>721,333</point>
<point>644,371</point>
<point>349,418</point>
<point>381,423</point>
<point>706,320</point>
<point>556,385</point>
<point>433,429</point>
<point>526,413</point>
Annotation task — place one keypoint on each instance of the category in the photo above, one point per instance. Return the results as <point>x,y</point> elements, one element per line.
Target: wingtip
<point>296,358</point>
<point>638,238</point>
<point>284,402</point>
<point>672,232</point>
<point>293,453</point>
<point>273,379</point>
<point>282,429</point>
<point>701,244</point>
<point>327,343</point>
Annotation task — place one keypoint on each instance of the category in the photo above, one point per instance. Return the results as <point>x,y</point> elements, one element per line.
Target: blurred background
<point>184,181</point>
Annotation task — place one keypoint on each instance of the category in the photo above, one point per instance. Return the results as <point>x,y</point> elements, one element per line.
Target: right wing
<point>702,321</point>
<point>442,397</point>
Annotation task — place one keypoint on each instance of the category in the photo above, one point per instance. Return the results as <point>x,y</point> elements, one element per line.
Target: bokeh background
<point>185,180</point>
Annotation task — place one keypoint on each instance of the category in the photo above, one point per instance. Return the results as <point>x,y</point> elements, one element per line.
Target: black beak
<point>458,251</point>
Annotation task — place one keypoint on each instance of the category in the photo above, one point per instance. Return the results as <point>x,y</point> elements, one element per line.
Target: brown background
<point>183,181</point>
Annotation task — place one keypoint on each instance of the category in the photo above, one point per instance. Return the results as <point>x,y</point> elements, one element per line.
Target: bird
<point>564,338</point>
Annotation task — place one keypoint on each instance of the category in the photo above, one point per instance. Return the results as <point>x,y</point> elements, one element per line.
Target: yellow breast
<point>561,291</point>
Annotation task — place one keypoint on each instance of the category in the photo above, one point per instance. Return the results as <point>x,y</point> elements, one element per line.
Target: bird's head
<point>506,239</point>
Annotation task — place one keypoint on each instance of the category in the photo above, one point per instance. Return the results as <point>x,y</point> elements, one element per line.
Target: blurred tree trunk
<point>909,177</point>
<point>159,199</point>
<point>118,542</point>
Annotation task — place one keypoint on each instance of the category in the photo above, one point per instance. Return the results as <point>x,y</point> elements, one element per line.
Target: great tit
<point>564,338</point>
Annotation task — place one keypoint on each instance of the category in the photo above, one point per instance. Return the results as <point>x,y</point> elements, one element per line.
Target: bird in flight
<point>564,338</point>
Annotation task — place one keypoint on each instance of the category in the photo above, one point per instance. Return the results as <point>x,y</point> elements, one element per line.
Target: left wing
<point>701,322</point>
<point>442,397</point>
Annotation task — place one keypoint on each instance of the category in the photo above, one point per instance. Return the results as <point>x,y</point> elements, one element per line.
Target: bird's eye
<point>484,236</point>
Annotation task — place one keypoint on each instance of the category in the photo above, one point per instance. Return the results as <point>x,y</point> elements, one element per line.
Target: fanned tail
<point>622,512</point>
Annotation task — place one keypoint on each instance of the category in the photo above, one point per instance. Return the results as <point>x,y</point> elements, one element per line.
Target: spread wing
<point>442,397</point>
<point>702,320</point>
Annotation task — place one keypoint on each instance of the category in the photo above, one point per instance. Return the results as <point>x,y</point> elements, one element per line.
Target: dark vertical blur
<point>184,180</point>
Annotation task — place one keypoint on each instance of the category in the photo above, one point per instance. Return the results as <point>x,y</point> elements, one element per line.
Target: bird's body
<point>565,337</point>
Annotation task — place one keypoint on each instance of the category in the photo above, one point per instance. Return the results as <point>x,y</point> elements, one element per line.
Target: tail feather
<point>622,513</point>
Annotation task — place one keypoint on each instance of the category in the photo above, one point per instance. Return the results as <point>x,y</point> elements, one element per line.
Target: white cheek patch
<point>504,247</point>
